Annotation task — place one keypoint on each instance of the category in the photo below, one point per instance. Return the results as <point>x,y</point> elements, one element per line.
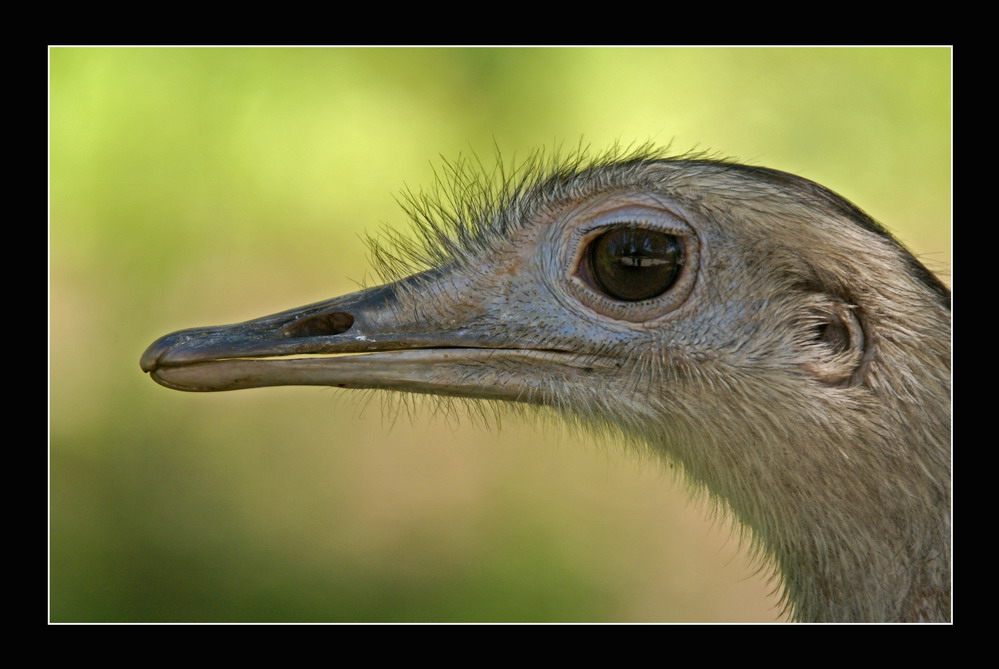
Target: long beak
<point>359,340</point>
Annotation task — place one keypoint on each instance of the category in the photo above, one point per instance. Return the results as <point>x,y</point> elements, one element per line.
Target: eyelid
<point>638,216</point>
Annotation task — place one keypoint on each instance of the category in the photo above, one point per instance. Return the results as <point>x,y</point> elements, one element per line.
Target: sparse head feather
<point>472,204</point>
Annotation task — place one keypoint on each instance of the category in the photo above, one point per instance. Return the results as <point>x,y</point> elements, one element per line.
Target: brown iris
<point>633,264</point>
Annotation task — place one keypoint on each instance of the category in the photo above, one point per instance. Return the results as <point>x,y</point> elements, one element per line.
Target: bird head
<point>748,323</point>
<point>618,289</point>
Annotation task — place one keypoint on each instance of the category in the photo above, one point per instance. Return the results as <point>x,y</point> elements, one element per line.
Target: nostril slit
<point>321,325</point>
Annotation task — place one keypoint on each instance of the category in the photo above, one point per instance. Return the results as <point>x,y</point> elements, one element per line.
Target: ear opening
<point>838,339</point>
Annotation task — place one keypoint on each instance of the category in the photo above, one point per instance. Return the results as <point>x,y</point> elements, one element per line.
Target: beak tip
<point>150,360</point>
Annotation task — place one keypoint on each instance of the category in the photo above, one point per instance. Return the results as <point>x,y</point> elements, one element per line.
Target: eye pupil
<point>633,264</point>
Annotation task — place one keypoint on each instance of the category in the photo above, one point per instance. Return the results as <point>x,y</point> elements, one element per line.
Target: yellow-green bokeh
<point>199,186</point>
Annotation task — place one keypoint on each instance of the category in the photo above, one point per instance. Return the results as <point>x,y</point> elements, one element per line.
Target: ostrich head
<point>748,324</point>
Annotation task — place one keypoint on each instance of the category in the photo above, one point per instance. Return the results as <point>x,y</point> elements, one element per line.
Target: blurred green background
<point>203,186</point>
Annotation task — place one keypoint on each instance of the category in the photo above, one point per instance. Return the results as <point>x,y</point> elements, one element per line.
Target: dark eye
<point>632,264</point>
